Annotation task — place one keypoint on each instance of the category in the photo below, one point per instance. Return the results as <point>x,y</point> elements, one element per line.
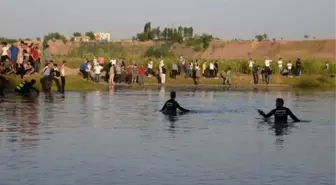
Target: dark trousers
<point>58,85</point>
<point>46,84</point>
<point>141,79</point>
<point>298,71</point>
<point>62,84</point>
<point>85,74</point>
<point>174,73</point>
<point>255,78</point>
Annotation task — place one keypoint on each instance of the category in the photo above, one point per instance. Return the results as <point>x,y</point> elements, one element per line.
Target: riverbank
<point>239,82</point>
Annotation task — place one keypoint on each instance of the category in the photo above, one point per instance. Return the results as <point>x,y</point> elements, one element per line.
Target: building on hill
<point>105,37</point>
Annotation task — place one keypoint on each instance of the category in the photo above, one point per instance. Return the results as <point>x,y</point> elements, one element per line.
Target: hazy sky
<point>227,19</point>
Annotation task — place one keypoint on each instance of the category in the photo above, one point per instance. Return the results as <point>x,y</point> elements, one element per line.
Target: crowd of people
<point>116,71</point>
<point>21,58</point>
<point>283,69</point>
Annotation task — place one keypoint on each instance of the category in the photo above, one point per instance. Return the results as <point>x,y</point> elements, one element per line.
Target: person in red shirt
<point>36,58</point>
<point>141,73</point>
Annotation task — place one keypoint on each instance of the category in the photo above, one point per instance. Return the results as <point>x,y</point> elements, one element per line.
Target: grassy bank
<point>239,81</point>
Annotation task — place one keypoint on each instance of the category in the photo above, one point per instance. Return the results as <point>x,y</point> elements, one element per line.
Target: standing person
<point>118,73</point>
<point>280,65</point>
<point>36,58</point>
<point>57,76</point>
<point>182,67</point>
<point>250,64</point>
<point>46,54</point>
<point>150,68</point>
<point>327,67</point>
<point>112,72</point>
<point>204,66</point>
<point>174,70</point>
<point>187,69</point>
<point>212,69</point>
<point>163,74</point>
<point>298,67</point>
<point>216,68</point>
<point>289,68</point>
<point>62,71</point>
<point>228,77</point>
<point>268,73</point>
<point>134,73</point>
<point>20,54</point>
<point>256,74</point>
<point>4,53</point>
<point>141,71</point>
<point>191,68</point>
<point>14,52</point>
<point>107,71</point>
<point>47,79</point>
<point>97,70</point>
<point>263,74</point>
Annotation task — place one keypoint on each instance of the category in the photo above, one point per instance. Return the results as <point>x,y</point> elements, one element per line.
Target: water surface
<point>121,138</point>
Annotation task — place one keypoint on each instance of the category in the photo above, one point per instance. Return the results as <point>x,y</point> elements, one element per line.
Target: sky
<point>226,19</point>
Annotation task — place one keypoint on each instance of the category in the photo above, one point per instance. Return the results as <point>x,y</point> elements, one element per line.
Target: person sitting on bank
<point>280,113</point>
<point>171,106</point>
<point>25,88</point>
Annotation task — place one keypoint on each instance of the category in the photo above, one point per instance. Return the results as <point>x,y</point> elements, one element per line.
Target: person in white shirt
<point>95,61</point>
<point>250,64</point>
<point>289,68</point>
<point>113,61</point>
<point>97,70</point>
<point>150,68</point>
<point>280,65</point>
<point>160,66</point>
<point>212,69</point>
<point>268,62</point>
<point>4,52</point>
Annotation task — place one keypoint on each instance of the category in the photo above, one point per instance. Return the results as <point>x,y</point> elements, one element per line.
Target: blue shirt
<point>14,51</point>
<point>84,66</point>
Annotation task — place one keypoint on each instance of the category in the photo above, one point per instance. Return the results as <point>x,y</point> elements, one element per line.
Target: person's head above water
<point>279,102</point>
<point>173,95</point>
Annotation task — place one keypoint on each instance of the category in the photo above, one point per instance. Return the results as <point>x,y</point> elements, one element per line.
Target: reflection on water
<point>119,137</point>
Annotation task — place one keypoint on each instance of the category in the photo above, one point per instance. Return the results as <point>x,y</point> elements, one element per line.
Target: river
<point>119,137</point>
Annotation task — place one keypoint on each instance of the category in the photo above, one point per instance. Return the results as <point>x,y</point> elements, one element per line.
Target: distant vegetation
<point>181,35</point>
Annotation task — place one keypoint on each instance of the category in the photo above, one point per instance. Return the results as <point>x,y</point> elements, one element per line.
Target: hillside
<point>308,49</point>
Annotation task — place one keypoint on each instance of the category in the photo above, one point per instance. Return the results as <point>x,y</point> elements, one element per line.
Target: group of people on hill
<point>21,58</point>
<point>266,70</point>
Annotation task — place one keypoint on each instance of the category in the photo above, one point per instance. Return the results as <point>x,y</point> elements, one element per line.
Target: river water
<point>119,137</point>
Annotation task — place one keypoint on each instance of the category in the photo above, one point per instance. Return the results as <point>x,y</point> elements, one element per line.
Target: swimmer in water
<point>280,113</point>
<point>171,106</point>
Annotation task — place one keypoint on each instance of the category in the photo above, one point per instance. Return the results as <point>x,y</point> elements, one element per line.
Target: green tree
<point>180,31</point>
<point>77,34</point>
<point>185,32</point>
<point>170,34</point>
<point>38,38</point>
<point>306,36</point>
<point>91,35</point>
<point>53,36</point>
<point>265,36</point>
<point>157,33</point>
<point>190,32</point>
<point>259,38</point>
<point>164,33</point>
